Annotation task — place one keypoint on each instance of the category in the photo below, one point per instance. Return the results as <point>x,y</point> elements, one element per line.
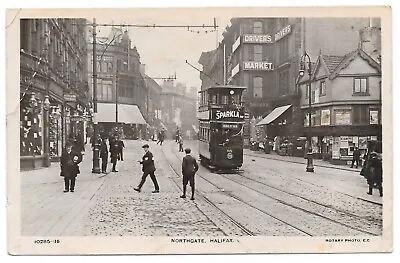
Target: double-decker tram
<point>221,119</point>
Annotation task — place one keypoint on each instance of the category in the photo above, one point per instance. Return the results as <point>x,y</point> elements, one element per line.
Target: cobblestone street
<point>270,198</point>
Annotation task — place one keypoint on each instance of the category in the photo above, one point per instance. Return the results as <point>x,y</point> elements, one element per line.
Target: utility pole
<point>116,97</point>
<point>96,148</point>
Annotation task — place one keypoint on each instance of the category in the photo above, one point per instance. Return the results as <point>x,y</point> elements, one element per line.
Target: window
<point>257,87</point>
<point>257,27</point>
<point>283,82</point>
<point>360,86</point>
<point>258,53</point>
<point>360,114</point>
<point>224,99</point>
<point>306,89</point>
<point>322,88</point>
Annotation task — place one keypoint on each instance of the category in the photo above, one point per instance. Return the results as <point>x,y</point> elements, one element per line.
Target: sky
<point>165,50</point>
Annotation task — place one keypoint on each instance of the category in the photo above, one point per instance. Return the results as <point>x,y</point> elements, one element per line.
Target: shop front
<point>336,143</point>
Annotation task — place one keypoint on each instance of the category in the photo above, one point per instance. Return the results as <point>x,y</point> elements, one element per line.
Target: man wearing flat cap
<point>148,169</point>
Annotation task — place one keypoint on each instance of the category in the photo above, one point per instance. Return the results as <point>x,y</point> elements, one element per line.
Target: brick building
<point>53,63</point>
<point>178,109</point>
<point>263,54</point>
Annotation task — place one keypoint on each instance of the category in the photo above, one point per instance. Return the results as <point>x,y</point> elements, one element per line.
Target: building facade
<point>263,54</point>
<point>53,63</point>
<point>346,104</point>
<point>178,109</point>
<point>119,80</point>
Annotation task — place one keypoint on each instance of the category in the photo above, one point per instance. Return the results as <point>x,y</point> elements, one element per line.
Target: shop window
<point>360,86</point>
<point>342,117</point>
<point>257,53</point>
<point>374,116</point>
<point>360,114</point>
<point>258,87</point>
<point>322,88</point>
<point>257,27</point>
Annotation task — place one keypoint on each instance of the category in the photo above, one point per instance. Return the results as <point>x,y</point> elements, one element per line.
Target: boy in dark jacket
<point>189,169</point>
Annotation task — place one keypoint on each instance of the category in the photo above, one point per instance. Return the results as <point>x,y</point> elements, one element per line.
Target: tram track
<point>356,197</point>
<point>318,206</point>
<point>210,203</point>
<point>239,200</point>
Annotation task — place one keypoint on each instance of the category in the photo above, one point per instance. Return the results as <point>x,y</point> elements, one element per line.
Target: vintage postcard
<point>199,130</point>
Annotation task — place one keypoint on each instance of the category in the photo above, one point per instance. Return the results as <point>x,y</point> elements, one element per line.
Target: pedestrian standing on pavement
<point>189,169</point>
<point>180,143</point>
<point>375,173</point>
<point>356,157</point>
<point>104,155</point>
<point>121,147</point>
<point>69,163</point>
<point>177,134</point>
<point>114,153</point>
<point>148,168</point>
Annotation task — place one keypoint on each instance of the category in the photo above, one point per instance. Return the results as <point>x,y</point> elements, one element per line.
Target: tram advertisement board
<point>228,115</point>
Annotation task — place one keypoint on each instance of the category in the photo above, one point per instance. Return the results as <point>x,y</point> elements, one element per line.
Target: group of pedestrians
<point>116,150</point>
<point>72,156</point>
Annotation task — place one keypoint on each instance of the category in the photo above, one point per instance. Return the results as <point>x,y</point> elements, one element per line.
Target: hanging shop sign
<point>236,44</point>
<point>235,70</point>
<point>257,39</point>
<point>283,32</point>
<point>257,65</point>
<point>70,97</point>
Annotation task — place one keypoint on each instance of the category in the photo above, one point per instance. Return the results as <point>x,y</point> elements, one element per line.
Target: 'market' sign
<point>257,65</point>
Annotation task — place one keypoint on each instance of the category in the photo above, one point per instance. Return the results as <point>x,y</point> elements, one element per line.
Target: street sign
<point>69,97</point>
<point>78,118</point>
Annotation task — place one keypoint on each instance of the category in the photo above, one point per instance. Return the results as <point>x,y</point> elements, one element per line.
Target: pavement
<point>294,159</point>
<point>107,205</point>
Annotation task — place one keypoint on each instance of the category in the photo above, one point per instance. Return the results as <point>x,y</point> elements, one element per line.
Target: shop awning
<point>129,114</point>
<point>273,115</point>
<point>195,128</point>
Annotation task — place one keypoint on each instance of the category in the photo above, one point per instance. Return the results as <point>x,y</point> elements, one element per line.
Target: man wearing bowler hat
<point>148,169</point>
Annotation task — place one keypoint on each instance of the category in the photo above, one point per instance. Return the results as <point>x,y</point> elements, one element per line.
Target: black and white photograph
<point>199,130</point>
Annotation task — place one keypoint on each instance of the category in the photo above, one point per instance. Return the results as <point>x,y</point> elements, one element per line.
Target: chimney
<point>370,41</point>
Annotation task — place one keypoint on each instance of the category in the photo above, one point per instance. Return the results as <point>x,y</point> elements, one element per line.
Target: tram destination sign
<point>227,115</point>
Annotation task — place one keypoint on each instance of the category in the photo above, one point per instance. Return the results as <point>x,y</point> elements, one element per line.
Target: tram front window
<point>228,136</point>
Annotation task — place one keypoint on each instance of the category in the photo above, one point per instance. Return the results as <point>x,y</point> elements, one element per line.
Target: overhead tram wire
<point>202,72</point>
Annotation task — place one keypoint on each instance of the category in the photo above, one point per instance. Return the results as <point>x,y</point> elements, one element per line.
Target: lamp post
<point>310,166</point>
<point>96,146</point>
<point>46,148</point>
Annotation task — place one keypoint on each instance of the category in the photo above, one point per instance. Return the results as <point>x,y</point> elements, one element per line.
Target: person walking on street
<point>180,144</point>
<point>189,169</point>
<point>104,155</point>
<point>69,163</point>
<point>177,134</point>
<point>148,168</point>
<point>356,157</point>
<point>121,147</point>
<point>161,137</point>
<point>114,153</point>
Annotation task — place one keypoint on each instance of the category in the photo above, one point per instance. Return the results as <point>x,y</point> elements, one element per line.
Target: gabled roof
<point>332,62</point>
<point>350,57</point>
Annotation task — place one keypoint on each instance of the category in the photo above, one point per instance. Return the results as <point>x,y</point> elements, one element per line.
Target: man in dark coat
<point>114,153</point>
<point>177,134</point>
<point>356,157</point>
<point>148,169</point>
<point>375,173</point>
<point>121,147</point>
<point>104,155</point>
<point>189,169</point>
<point>69,167</point>
<point>161,137</point>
